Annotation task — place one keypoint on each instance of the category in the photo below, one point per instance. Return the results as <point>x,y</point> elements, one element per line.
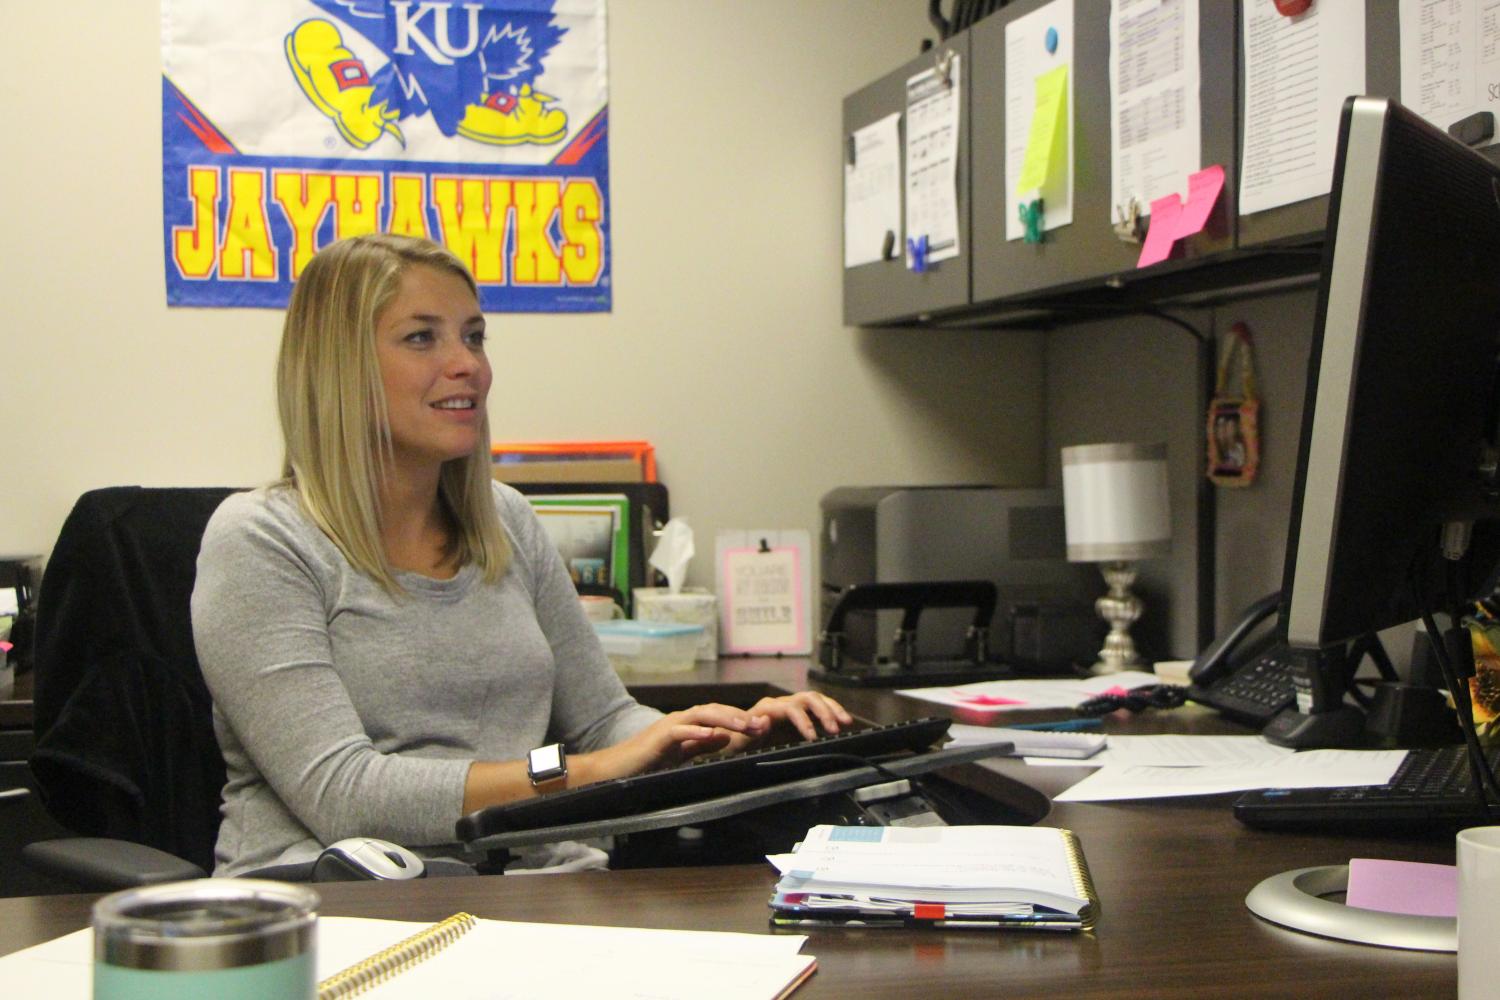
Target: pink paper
<point>1162,232</point>
<point>1412,887</point>
<point>1203,194</point>
<point>989,699</point>
<point>1171,220</point>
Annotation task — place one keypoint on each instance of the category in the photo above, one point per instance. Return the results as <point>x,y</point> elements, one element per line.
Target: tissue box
<point>693,606</point>
<point>649,647</point>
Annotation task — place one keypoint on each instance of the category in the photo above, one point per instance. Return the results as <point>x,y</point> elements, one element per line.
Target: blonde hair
<point>331,401</point>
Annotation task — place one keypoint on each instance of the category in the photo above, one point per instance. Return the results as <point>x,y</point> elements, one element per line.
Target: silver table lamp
<point>1116,511</point>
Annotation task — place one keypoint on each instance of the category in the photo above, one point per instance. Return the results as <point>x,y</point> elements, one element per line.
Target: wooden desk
<point>1171,875</point>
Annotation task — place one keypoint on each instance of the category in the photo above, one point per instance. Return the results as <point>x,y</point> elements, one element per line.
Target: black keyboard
<point>1431,790</point>
<point>703,778</point>
<point>1256,692</point>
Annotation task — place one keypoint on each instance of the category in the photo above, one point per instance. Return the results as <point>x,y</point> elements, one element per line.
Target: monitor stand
<point>1336,728</point>
<point>1295,899</point>
<point>1321,718</point>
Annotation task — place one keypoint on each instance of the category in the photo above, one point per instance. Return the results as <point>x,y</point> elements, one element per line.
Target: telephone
<point>1247,673</point>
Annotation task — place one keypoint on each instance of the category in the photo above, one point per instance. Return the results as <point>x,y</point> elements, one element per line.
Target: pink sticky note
<point>1203,194</point>
<point>1162,233</point>
<point>1171,220</point>
<point>1403,887</point>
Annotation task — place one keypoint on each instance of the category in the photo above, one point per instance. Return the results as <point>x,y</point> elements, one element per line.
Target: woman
<point>386,632</point>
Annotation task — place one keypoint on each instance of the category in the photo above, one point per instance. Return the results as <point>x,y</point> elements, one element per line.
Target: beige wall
<point>725,347</point>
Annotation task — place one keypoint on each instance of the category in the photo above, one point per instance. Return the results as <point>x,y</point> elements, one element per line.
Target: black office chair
<point>125,747</point>
<point>125,750</point>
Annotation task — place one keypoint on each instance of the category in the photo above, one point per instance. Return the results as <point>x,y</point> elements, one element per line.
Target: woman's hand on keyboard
<point>711,728</point>
<point>806,711</point>
<point>676,737</point>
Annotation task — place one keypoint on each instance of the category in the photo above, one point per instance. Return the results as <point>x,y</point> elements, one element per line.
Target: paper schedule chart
<point>1298,72</point>
<point>1155,116</point>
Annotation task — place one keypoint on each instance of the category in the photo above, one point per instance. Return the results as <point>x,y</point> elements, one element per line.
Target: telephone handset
<point>1246,674</point>
<point>1215,661</point>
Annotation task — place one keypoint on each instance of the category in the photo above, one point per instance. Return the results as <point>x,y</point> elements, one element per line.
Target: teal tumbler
<point>227,939</point>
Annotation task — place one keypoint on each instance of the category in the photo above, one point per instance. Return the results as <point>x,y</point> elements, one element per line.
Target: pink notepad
<point>1403,887</point>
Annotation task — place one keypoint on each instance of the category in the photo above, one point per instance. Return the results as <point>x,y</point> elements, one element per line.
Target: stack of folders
<point>984,877</point>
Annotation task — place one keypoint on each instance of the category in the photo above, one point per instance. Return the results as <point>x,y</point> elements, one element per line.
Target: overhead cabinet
<point>1085,263</point>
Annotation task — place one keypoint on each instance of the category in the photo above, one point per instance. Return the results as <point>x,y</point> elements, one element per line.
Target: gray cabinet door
<point>887,291</point>
<point>1088,253</point>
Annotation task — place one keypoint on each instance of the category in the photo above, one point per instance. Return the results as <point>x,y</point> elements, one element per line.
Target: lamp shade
<point>1115,502</point>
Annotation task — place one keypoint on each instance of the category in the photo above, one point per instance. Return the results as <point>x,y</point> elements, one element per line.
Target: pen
<point>1061,725</point>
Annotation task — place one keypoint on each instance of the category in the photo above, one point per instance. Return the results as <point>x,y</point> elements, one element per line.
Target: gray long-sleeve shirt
<point>344,711</point>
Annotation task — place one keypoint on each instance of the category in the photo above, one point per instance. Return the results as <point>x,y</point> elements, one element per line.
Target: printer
<point>1044,617</point>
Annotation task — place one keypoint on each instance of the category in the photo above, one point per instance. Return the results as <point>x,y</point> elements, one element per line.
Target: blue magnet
<point>1051,41</point>
<point>918,250</point>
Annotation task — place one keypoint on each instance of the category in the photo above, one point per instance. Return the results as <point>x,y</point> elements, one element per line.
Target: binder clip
<point>917,248</point>
<point>944,66</point>
<point>1129,226</point>
<point>1031,218</point>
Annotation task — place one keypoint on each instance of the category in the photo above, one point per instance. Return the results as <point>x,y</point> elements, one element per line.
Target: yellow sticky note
<point>1047,120</point>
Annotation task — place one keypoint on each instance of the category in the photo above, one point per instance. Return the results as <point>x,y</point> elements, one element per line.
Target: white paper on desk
<point>872,191</point>
<point>1305,769</point>
<point>1155,121</point>
<point>59,969</point>
<point>1298,71</point>
<point>1026,58</point>
<point>933,104</point>
<point>1008,696</point>
<point>622,962</point>
<point>1450,58</point>
<point>1179,751</point>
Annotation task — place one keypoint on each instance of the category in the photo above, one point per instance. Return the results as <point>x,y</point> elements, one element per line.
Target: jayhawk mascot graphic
<point>469,65</point>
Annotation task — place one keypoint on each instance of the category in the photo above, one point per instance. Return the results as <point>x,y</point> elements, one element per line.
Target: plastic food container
<point>649,647</point>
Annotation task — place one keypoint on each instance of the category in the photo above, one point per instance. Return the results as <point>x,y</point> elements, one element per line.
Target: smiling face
<point>429,341</point>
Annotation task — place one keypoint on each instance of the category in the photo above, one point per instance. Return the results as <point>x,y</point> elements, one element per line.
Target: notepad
<point>1030,742</point>
<point>955,876</point>
<point>497,960</point>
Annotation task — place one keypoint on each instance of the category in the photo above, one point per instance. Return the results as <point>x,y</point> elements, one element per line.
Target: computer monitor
<point>1398,428</point>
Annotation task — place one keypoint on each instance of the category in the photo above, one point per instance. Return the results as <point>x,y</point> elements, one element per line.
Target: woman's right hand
<point>673,739</point>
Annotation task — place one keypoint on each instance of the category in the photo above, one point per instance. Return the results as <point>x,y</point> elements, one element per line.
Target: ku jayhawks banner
<point>480,124</point>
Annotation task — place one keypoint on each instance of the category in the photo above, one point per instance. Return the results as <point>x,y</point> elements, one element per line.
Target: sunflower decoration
<point>1484,686</point>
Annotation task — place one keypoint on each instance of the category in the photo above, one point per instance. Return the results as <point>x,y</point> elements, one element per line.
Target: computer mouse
<point>356,858</point>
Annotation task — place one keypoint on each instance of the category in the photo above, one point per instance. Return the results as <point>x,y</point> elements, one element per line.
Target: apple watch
<point>547,767</point>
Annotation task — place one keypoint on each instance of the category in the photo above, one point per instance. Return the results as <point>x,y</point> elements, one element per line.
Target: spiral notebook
<point>370,972</point>
<point>464,957</point>
<point>964,877</point>
<point>390,960</point>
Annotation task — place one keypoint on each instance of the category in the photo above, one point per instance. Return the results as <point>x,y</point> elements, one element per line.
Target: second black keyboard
<point>703,778</point>
<point>1431,790</point>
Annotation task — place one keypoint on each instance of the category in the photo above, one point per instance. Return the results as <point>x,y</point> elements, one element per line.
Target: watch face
<point>545,761</point>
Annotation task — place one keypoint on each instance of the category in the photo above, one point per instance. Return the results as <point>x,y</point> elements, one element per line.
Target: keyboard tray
<point>704,778</point>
